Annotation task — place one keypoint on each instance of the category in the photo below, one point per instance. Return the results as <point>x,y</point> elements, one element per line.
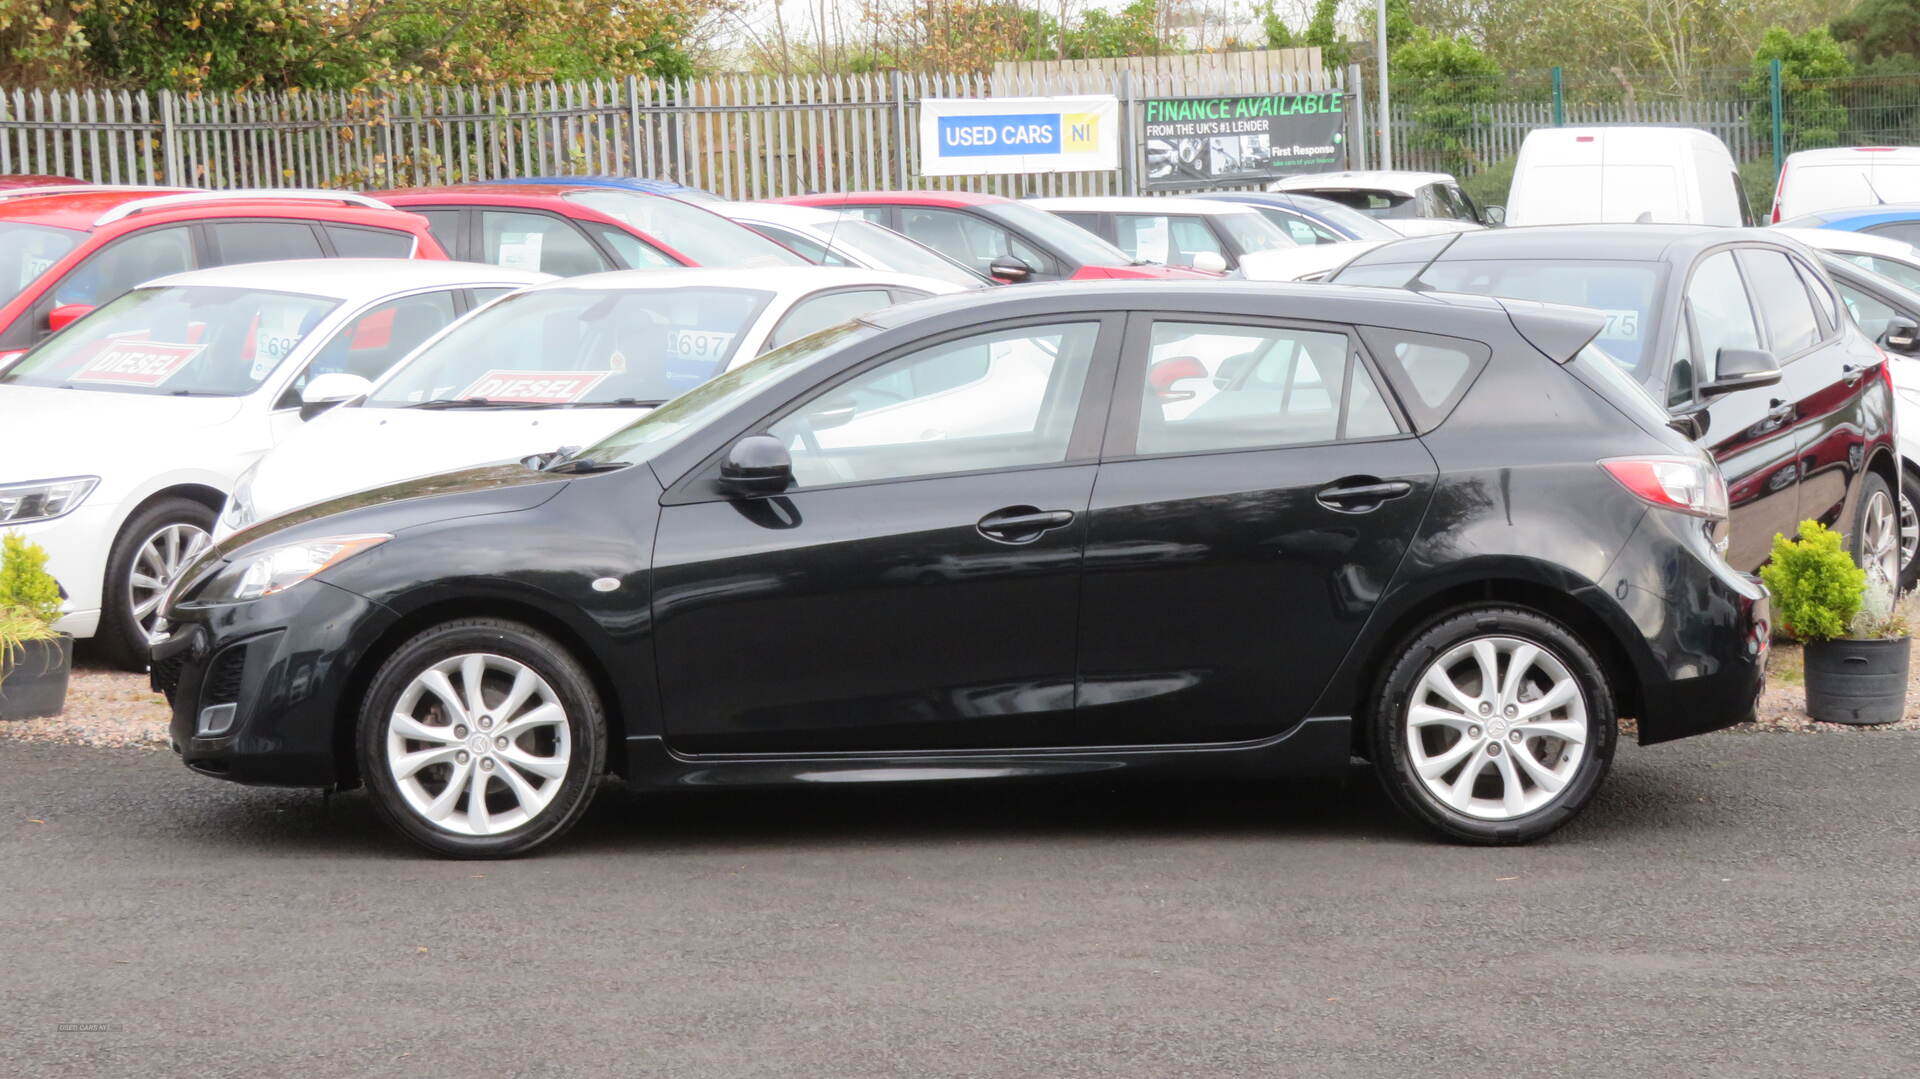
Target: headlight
<point>239,513</point>
<point>277,569</point>
<point>42,500</point>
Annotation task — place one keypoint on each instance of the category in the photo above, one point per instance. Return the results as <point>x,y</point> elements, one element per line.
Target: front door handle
<point>1022,524</point>
<point>1359,494</point>
<point>1782,410</point>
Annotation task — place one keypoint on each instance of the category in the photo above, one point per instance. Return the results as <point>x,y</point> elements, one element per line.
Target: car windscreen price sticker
<point>130,360</point>
<point>1621,326</point>
<point>698,344</point>
<point>278,331</point>
<point>534,387</point>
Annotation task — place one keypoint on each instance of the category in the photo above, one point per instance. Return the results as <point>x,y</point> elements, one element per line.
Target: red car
<point>13,180</point>
<point>569,230</point>
<point>1001,238</point>
<point>62,253</point>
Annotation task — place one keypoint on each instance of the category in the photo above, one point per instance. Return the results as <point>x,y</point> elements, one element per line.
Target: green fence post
<point>1779,122</point>
<point>1559,100</point>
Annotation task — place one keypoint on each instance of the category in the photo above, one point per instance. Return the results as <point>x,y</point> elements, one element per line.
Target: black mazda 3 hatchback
<point>1058,531</point>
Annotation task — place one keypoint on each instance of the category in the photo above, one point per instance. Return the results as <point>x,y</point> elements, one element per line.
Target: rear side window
<point>444,225</point>
<point>235,242</point>
<point>1783,301</point>
<point>1432,373</point>
<point>1868,313</point>
<point>357,243</point>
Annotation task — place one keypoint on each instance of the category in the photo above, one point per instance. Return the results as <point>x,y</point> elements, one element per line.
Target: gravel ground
<point>106,707</point>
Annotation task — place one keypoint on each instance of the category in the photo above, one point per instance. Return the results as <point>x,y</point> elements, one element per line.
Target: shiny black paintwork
<point>1792,451</point>
<point>1203,611</point>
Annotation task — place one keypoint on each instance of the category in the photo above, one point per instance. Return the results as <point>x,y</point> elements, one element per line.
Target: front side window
<point>1002,399</point>
<point>1170,241</point>
<point>1721,312</point>
<point>236,242</point>
<point>580,347</point>
<point>537,242</point>
<point>133,260</point>
<point>816,313</point>
<point>28,251</point>
<point>1211,387</point>
<point>1792,327</point>
<point>380,337</point>
<point>183,341</point>
<point>972,240</point>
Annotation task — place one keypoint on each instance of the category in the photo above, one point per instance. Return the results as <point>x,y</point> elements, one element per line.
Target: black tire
<point>121,639</point>
<point>1910,518</point>
<point>585,725</point>
<point>1871,487</point>
<point>1388,724</point>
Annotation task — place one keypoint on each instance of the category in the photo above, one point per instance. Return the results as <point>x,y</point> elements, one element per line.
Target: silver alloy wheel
<point>1496,728</point>
<point>1880,541</point>
<point>485,755</point>
<point>1909,531</point>
<point>156,564</point>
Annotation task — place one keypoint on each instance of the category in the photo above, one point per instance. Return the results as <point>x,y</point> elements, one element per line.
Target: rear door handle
<point>1022,524</point>
<point>1360,494</point>
<point>1852,373</point>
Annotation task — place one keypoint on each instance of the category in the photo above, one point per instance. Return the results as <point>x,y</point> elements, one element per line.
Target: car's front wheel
<point>1909,529</point>
<point>1876,533</point>
<point>1494,725</point>
<point>481,738</point>
<point>149,553</point>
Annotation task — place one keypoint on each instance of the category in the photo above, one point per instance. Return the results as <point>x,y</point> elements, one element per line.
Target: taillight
<point>1688,484</point>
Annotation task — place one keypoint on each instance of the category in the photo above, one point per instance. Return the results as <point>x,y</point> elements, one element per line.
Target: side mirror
<point>757,465</point>
<point>1163,376</point>
<point>1210,261</point>
<point>328,390</point>
<point>1009,269</point>
<point>1742,369</point>
<point>1494,215</point>
<point>66,315</point>
<point>1901,335</point>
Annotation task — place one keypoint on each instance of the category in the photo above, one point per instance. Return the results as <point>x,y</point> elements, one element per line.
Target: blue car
<point>1898,221</point>
<point>626,183</point>
<point>1306,218</point>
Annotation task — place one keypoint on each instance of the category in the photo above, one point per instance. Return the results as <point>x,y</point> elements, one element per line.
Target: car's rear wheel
<point>151,550</point>
<point>1876,533</point>
<point>481,738</point>
<point>1909,529</point>
<point>1494,725</point>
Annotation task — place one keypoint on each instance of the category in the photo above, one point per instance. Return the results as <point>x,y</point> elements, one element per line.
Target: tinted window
<point>371,344</point>
<point>1004,399</point>
<point>1224,387</point>
<point>445,227</point>
<point>125,263</point>
<point>1791,324</point>
<point>1432,372</point>
<point>27,251</point>
<point>537,242</point>
<point>236,242</point>
<point>629,250</point>
<point>353,243</point>
<point>818,312</point>
<point>198,340</point>
<point>1722,315</point>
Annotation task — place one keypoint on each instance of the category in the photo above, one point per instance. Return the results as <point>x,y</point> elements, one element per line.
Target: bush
<point>1758,178</point>
<point>1816,587</point>
<point>1489,186</point>
<point>26,588</point>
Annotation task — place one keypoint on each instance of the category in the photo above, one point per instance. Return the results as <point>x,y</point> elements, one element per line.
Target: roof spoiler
<point>1557,330</point>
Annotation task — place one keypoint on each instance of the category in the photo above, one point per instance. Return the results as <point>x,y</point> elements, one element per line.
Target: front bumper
<point>77,546</point>
<point>259,690</point>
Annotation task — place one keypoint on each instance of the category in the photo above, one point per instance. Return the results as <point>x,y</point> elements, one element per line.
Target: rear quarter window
<point>1430,373</point>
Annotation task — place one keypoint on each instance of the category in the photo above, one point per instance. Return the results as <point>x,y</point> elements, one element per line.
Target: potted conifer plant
<point>34,660</point>
<point>1856,636</point>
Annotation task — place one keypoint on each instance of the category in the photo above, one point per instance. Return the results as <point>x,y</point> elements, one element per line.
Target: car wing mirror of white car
<point>328,390</point>
<point>1210,261</point>
<point>1902,335</point>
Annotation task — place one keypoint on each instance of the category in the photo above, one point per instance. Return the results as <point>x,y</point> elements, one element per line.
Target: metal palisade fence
<point>745,137</point>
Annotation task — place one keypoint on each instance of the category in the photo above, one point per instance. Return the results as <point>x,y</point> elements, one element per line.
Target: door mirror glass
<point>1210,261</point>
<point>1901,335</point>
<point>1742,369</point>
<point>66,315</point>
<point>757,465</point>
<point>328,390</point>
<point>1009,269</point>
<point>1495,215</point>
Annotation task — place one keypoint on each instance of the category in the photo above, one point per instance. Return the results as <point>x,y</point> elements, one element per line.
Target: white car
<point>831,238</point>
<point>1310,262</point>
<point>1884,255</point>
<point>1842,176</point>
<point>565,364</point>
<point>121,436</point>
<point>1410,203</point>
<point>1625,174</point>
<point>1198,233</point>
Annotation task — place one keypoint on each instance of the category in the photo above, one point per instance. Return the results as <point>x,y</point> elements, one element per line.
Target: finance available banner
<point>995,135</point>
<point>1204,141</point>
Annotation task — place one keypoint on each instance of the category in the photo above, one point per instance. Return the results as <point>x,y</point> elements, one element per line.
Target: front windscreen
<point>1624,292</point>
<point>28,251</point>
<point>184,341</point>
<point>1346,218</point>
<point>580,346</point>
<point>706,238</point>
<point>1252,232</point>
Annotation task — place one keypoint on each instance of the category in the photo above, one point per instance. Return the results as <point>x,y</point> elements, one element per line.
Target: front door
<point>1257,495</point>
<point>918,586</point>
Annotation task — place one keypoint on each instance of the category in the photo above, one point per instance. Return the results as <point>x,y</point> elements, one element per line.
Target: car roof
<point>777,213</point>
<point>1395,180</point>
<point>353,279</point>
<point>1122,204</point>
<point>1864,243</point>
<point>781,279</point>
<point>1358,304</point>
<point>1855,215</point>
<point>82,207</point>
<point>624,183</point>
<point>898,198</point>
<point>1624,243</point>
<point>1851,153</point>
<point>481,194</point>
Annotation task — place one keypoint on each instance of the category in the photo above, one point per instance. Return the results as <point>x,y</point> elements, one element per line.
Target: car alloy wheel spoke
<point>495,756</point>
<point>156,564</point>
<point>1909,531</point>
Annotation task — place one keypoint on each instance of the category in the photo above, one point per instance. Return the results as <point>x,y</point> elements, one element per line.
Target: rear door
<point>1256,494</point>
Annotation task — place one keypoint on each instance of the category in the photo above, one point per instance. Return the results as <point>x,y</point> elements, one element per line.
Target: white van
<point>1586,175</point>
<point>1815,180</point>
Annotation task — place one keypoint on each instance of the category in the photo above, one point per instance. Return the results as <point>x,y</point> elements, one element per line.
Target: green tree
<point>1881,29</point>
<point>1809,62</point>
<point>1442,82</point>
<point>1132,31</point>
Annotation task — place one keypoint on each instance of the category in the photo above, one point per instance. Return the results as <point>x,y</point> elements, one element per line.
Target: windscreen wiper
<point>618,402</point>
<point>473,402</point>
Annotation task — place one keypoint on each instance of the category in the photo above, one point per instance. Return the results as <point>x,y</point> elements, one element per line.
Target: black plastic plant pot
<point>33,678</point>
<point>1859,682</point>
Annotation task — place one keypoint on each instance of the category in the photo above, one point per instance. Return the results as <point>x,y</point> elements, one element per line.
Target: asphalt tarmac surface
<point>1737,905</point>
